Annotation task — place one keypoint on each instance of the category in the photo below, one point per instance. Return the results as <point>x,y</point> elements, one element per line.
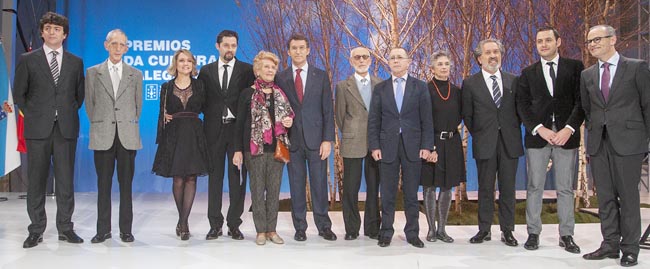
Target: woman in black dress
<point>449,170</point>
<point>181,152</point>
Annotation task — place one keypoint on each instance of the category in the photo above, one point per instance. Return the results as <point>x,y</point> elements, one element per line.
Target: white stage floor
<point>156,245</point>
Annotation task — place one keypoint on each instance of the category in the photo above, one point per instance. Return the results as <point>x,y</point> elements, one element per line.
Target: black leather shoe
<point>567,243</point>
<point>373,236</point>
<point>351,236</point>
<point>71,237</point>
<point>214,233</point>
<point>628,260</point>
<point>300,236</point>
<point>442,236</point>
<point>235,234</point>
<point>532,243</point>
<point>431,236</point>
<point>384,242</point>
<point>327,234</point>
<point>600,254</point>
<point>416,242</point>
<point>480,237</point>
<point>509,239</point>
<point>99,238</point>
<point>32,240</point>
<point>127,237</point>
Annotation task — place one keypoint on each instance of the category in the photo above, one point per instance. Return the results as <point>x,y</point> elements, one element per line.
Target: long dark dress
<point>182,147</point>
<point>449,171</point>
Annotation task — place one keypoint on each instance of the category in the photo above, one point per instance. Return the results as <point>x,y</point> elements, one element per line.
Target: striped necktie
<point>54,67</point>
<point>496,91</point>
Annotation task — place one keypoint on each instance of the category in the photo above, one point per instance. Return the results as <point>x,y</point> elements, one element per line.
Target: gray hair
<point>114,32</point>
<point>478,51</point>
<point>608,29</point>
<point>440,53</point>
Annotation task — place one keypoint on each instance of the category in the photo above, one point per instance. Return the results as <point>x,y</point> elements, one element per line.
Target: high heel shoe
<point>185,235</point>
<point>178,229</point>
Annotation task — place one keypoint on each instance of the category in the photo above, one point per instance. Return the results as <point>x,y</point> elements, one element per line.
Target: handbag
<point>281,152</point>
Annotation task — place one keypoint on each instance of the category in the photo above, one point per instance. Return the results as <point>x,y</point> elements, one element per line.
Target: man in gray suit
<point>490,116</point>
<point>351,107</point>
<point>49,89</point>
<point>113,105</point>
<point>615,97</point>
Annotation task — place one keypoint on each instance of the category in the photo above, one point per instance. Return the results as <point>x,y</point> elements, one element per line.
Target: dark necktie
<point>298,83</point>
<point>496,91</point>
<point>224,80</point>
<point>54,67</point>
<point>551,72</point>
<point>604,81</point>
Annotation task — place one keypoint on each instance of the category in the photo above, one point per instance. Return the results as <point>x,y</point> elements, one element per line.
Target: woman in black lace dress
<point>182,148</point>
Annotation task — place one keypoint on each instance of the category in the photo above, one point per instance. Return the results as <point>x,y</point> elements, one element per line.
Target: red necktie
<point>298,83</point>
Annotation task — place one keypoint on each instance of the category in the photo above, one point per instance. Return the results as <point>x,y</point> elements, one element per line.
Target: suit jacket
<point>536,105</point>
<point>352,117</point>
<point>484,120</point>
<point>315,115</point>
<point>241,78</point>
<point>415,120</point>
<point>627,112</point>
<point>42,101</point>
<point>105,110</point>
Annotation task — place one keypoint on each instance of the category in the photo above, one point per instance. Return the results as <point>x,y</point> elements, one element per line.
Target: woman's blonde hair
<point>172,66</point>
<point>264,55</point>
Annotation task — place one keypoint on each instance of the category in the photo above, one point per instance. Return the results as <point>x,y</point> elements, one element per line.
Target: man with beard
<point>352,105</point>
<point>490,116</point>
<point>224,80</point>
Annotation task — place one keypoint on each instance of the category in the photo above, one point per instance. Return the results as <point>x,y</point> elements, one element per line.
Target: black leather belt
<point>444,135</point>
<point>185,115</point>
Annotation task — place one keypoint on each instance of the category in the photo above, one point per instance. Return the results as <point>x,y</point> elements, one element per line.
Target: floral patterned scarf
<point>261,124</point>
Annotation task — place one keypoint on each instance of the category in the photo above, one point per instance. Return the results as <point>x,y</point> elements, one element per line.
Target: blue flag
<point>9,155</point>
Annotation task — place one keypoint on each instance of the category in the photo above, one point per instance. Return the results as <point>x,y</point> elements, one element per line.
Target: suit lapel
<point>127,76</point>
<point>311,78</point>
<point>44,66</point>
<point>484,90</point>
<point>409,89</point>
<point>235,75</point>
<point>287,77</point>
<point>105,79</point>
<point>539,76</point>
<point>595,77</point>
<point>354,90</point>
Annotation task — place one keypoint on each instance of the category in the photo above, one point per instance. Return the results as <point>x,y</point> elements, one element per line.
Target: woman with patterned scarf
<point>267,118</point>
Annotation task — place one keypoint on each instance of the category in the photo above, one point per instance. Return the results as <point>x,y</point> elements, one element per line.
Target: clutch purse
<point>281,152</point>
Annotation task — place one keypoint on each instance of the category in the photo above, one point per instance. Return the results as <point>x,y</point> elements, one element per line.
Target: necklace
<point>438,90</point>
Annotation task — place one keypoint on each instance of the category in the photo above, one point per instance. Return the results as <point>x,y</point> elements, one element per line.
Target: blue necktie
<point>399,94</point>
<point>496,91</point>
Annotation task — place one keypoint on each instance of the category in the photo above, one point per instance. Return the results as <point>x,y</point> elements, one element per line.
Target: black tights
<point>184,191</point>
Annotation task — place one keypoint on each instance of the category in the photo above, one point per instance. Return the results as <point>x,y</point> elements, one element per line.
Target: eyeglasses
<point>596,40</point>
<point>358,57</point>
<point>397,57</point>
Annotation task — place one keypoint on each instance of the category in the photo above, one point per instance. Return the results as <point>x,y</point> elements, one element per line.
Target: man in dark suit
<point>490,116</point>
<point>310,94</point>
<point>548,102</point>
<point>224,80</point>
<point>352,104</point>
<point>615,97</point>
<point>400,134</point>
<point>113,105</point>
<point>49,89</point>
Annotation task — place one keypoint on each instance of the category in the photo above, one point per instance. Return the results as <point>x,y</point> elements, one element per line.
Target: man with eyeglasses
<point>489,114</point>
<point>400,134</point>
<point>113,105</point>
<point>351,107</point>
<point>309,91</point>
<point>616,100</point>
